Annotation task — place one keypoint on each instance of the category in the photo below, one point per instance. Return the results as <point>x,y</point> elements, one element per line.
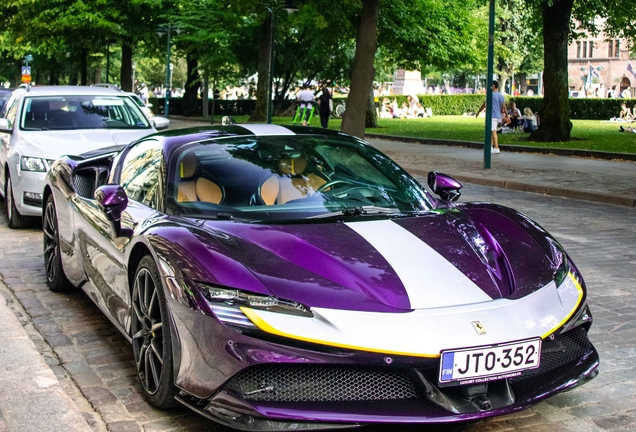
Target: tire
<point>340,110</point>
<point>55,276</point>
<point>16,220</point>
<point>151,339</point>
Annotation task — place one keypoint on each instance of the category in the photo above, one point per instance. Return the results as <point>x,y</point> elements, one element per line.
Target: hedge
<point>458,104</point>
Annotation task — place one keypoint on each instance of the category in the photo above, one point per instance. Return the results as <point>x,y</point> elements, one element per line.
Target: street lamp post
<point>290,7</point>
<point>167,30</point>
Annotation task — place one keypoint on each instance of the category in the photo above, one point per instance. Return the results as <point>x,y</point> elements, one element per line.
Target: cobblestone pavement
<point>94,362</point>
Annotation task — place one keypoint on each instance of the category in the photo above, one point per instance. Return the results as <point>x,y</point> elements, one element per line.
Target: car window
<point>140,173</point>
<point>290,178</point>
<point>10,109</point>
<point>4,97</point>
<point>81,112</point>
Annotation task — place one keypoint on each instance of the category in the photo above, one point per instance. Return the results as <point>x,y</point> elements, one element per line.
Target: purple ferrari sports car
<point>275,278</point>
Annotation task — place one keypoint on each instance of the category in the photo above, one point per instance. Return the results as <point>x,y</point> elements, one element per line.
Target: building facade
<point>597,63</point>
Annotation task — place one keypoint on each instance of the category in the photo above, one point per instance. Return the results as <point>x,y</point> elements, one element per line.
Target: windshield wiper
<point>360,211</point>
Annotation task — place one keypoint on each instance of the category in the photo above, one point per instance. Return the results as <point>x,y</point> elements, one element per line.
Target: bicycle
<point>339,110</point>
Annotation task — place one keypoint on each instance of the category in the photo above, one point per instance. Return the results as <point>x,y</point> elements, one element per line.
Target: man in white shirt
<point>306,99</point>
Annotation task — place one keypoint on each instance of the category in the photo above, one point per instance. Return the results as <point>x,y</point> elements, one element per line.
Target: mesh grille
<point>84,183</point>
<point>309,383</point>
<point>563,349</point>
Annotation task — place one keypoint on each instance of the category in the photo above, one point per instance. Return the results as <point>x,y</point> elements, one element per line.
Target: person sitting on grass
<point>529,121</point>
<point>626,113</point>
<point>622,129</point>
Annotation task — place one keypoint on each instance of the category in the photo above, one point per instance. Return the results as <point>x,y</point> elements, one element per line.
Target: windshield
<point>289,178</point>
<point>81,112</point>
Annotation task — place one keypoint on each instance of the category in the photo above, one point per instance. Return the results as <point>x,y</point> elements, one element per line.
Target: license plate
<point>488,363</point>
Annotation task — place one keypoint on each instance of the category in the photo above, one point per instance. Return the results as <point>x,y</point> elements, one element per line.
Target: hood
<point>53,144</point>
<point>451,258</point>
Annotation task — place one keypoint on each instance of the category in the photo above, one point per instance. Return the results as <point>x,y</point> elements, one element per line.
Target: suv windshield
<point>81,112</point>
<point>288,178</point>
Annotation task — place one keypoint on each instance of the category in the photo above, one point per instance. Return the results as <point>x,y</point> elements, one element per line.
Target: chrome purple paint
<point>326,265</point>
<point>112,196</point>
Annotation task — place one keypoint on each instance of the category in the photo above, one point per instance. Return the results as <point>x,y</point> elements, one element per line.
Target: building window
<point>591,49</point>
<point>584,49</point>
<point>617,46</point>
<point>578,50</point>
<point>610,49</point>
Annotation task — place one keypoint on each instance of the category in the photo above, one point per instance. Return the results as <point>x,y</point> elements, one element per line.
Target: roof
<point>69,91</point>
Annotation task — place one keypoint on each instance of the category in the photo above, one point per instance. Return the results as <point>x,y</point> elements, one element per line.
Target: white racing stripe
<point>430,281</point>
<point>266,129</point>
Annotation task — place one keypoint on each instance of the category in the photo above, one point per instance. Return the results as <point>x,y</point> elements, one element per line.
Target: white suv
<point>40,124</point>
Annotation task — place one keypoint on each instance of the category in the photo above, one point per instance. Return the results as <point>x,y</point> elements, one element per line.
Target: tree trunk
<point>260,109</point>
<point>362,72</point>
<point>125,76</point>
<point>84,67</point>
<point>190,97</point>
<point>523,83</point>
<point>555,124</point>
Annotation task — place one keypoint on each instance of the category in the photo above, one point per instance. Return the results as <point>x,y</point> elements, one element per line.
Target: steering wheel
<point>333,183</point>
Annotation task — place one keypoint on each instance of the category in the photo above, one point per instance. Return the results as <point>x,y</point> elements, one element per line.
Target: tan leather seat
<point>196,189</point>
<point>292,184</point>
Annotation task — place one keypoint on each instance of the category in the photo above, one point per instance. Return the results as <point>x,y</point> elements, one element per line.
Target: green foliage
<point>600,109</point>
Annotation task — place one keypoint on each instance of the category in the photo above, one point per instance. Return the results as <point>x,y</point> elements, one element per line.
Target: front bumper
<point>27,192</point>
<point>272,383</point>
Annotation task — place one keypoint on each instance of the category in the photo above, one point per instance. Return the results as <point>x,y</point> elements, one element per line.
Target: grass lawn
<point>586,134</point>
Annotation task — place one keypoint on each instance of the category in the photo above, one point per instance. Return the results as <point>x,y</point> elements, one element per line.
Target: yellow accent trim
<point>574,309</point>
<point>264,326</point>
<point>261,324</point>
<point>181,170</point>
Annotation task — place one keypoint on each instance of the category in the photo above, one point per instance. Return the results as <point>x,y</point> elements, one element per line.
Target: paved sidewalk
<point>610,182</point>
<point>31,397</point>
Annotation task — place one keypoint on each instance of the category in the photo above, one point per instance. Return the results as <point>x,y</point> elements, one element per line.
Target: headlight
<point>32,164</point>
<point>226,303</point>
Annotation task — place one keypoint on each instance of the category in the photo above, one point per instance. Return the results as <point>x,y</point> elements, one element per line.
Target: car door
<point>9,111</point>
<point>102,250</point>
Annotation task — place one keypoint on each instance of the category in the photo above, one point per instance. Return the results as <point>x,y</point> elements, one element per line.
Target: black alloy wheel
<point>151,339</point>
<point>55,276</point>
<point>16,220</point>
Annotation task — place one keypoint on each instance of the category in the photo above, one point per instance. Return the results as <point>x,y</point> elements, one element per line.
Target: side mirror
<point>444,185</point>
<point>112,200</point>
<point>5,125</point>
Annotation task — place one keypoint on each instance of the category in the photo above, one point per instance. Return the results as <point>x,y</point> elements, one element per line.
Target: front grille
<point>318,383</point>
<point>565,348</point>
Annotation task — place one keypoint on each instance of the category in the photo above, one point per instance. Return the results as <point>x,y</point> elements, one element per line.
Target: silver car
<point>40,124</point>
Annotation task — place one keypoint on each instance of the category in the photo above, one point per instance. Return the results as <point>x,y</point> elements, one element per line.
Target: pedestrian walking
<point>326,106</point>
<point>306,99</point>
<point>499,114</point>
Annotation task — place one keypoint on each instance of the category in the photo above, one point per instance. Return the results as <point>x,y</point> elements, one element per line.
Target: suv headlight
<point>33,164</point>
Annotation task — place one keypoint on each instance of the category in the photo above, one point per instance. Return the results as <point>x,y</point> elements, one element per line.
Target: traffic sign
<point>26,79</point>
<point>26,70</point>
